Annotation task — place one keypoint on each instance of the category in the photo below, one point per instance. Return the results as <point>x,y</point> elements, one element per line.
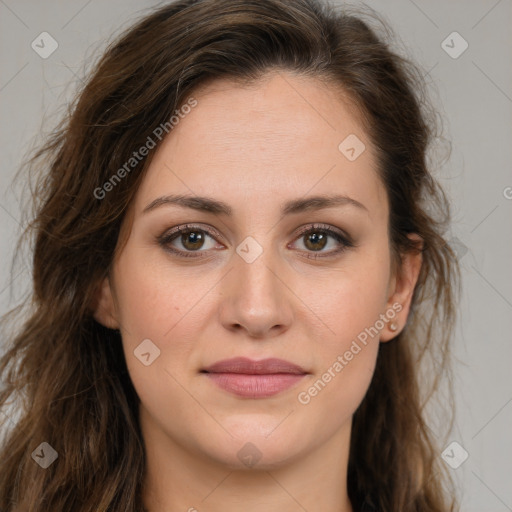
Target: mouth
<point>246,378</point>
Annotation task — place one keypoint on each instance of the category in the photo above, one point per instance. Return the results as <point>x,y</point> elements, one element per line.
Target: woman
<point>237,269</point>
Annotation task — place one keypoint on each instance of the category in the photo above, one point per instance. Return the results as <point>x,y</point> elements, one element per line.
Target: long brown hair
<point>68,372</point>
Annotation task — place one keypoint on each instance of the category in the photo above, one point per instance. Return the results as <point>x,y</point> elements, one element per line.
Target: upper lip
<point>248,366</point>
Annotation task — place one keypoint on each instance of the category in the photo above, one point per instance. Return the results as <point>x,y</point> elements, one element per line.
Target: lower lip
<point>255,386</point>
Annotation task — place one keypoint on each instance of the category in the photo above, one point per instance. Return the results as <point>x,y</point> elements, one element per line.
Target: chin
<point>259,442</point>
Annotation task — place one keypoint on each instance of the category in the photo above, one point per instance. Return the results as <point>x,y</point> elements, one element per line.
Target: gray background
<point>473,94</point>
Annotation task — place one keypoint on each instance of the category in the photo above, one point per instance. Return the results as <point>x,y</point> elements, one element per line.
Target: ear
<point>401,290</point>
<point>104,310</point>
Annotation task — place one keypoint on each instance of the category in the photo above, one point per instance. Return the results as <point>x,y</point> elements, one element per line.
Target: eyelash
<point>168,237</point>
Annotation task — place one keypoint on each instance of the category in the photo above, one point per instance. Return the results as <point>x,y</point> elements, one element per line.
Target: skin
<point>254,148</point>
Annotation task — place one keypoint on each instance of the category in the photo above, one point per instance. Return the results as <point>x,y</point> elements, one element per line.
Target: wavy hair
<point>67,374</point>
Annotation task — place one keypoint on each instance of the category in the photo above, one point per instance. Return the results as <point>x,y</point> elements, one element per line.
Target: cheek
<point>349,299</point>
<point>155,298</point>
<point>350,303</point>
<point>157,305</point>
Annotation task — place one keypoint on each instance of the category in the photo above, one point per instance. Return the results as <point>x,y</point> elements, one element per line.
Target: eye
<point>316,237</point>
<point>191,238</point>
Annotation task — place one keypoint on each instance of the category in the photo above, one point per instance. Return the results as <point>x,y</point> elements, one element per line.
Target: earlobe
<point>104,307</point>
<point>403,286</point>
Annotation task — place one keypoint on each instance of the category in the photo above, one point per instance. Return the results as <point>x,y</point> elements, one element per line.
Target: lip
<point>247,378</point>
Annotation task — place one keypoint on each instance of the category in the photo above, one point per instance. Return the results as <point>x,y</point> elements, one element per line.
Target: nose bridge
<point>256,268</point>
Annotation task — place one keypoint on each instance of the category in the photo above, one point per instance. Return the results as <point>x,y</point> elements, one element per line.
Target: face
<point>261,272</point>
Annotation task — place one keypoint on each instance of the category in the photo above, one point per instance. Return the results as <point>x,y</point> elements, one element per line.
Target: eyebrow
<point>210,205</point>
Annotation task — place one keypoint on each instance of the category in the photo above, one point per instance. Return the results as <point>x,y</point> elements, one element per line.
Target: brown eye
<point>188,241</point>
<point>316,241</point>
<point>192,240</point>
<point>315,238</point>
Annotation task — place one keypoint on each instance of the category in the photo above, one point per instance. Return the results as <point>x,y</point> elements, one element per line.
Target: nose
<point>256,297</point>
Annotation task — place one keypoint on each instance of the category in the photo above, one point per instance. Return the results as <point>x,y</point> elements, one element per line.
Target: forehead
<point>272,140</point>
